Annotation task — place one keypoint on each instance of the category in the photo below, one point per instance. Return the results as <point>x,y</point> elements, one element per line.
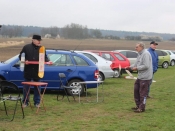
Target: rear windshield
<point>10,60</point>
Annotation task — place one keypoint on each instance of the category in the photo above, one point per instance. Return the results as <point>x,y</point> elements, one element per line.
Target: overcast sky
<point>121,15</point>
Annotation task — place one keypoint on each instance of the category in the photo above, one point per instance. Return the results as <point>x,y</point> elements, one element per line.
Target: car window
<point>91,57</point>
<point>123,53</point>
<point>10,60</point>
<point>79,61</point>
<point>60,59</point>
<point>107,56</point>
<point>131,54</point>
<point>119,57</point>
<point>169,52</point>
<point>159,53</point>
<point>173,52</point>
<point>164,53</point>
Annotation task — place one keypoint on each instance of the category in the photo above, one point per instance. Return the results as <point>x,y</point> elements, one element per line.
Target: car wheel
<point>78,87</point>
<point>172,63</point>
<point>101,77</point>
<point>165,65</point>
<point>117,74</point>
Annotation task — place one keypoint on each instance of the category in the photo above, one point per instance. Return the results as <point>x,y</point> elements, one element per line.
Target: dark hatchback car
<point>77,68</point>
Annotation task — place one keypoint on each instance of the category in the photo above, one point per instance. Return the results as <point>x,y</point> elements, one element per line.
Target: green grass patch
<point>113,114</point>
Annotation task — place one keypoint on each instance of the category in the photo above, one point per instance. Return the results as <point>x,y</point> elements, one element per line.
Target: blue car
<point>77,68</point>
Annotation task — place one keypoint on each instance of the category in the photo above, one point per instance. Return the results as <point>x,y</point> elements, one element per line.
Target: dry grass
<point>69,44</point>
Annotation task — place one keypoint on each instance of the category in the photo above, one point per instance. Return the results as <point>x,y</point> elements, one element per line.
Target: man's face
<point>37,42</point>
<point>153,46</point>
<point>138,48</point>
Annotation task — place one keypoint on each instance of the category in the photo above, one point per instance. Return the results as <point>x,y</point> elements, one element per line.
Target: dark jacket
<point>31,54</point>
<point>155,59</point>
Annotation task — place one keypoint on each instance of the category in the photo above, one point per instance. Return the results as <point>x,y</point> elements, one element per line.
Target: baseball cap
<point>153,42</point>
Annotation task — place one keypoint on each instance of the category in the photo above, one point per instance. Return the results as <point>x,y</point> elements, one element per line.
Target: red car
<point>119,61</point>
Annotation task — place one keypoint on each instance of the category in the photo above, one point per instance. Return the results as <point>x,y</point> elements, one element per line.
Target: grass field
<point>114,114</point>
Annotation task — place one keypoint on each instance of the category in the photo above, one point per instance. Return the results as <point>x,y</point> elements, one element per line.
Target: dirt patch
<point>13,46</point>
<point>11,43</point>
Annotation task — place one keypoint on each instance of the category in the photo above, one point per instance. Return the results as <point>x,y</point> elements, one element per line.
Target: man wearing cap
<point>31,70</point>
<point>142,65</point>
<point>155,60</point>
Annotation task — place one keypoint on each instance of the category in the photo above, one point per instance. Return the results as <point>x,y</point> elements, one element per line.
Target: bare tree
<point>75,31</point>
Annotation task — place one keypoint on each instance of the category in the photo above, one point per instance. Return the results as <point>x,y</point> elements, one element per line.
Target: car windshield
<point>173,51</point>
<point>11,59</point>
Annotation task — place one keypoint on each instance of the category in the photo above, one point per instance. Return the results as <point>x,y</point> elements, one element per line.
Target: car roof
<point>101,51</point>
<point>125,50</point>
<point>97,56</point>
<point>59,50</point>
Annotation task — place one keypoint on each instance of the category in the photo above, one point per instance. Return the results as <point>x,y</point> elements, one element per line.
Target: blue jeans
<point>36,97</point>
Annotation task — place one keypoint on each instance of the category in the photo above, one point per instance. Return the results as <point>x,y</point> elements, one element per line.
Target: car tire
<point>78,87</point>
<point>101,77</point>
<point>172,63</point>
<point>117,74</point>
<point>165,65</point>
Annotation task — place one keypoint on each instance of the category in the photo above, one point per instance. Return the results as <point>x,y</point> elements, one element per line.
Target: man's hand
<point>50,63</point>
<point>127,68</point>
<point>134,68</point>
<point>26,62</point>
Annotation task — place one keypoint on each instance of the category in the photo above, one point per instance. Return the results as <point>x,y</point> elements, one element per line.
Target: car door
<point>62,63</point>
<point>161,57</point>
<point>102,64</point>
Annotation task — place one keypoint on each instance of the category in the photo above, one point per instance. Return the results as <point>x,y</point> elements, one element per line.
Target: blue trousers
<point>36,97</point>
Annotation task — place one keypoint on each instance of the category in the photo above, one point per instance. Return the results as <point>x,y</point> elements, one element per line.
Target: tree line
<point>72,31</point>
<point>77,31</point>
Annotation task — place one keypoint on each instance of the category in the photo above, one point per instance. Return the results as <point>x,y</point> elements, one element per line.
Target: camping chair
<point>16,97</point>
<point>63,79</point>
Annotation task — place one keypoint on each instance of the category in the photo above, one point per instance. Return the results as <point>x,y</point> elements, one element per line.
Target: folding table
<point>37,84</point>
<point>92,82</point>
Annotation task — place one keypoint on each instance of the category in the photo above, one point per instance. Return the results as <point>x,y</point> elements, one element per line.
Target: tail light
<point>111,66</point>
<point>96,74</point>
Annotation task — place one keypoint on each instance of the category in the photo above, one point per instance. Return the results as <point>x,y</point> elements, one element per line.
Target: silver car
<point>130,54</point>
<point>172,57</point>
<point>103,65</point>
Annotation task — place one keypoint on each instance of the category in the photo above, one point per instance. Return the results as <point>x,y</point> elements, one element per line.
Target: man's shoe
<point>37,105</point>
<point>139,110</point>
<point>134,108</point>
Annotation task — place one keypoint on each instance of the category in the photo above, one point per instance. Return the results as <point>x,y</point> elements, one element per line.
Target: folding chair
<point>16,97</point>
<point>65,87</point>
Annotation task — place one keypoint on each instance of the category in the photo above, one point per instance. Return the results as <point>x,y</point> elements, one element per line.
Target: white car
<point>172,57</point>
<point>103,65</point>
<point>130,54</point>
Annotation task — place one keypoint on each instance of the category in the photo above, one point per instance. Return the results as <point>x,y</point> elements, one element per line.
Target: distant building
<point>48,36</point>
<point>151,38</point>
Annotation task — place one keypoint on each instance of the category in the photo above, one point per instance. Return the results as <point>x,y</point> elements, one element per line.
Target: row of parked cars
<point>166,57</point>
<point>89,65</point>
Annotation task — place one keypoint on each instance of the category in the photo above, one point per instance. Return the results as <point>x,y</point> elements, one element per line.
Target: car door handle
<point>69,70</point>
